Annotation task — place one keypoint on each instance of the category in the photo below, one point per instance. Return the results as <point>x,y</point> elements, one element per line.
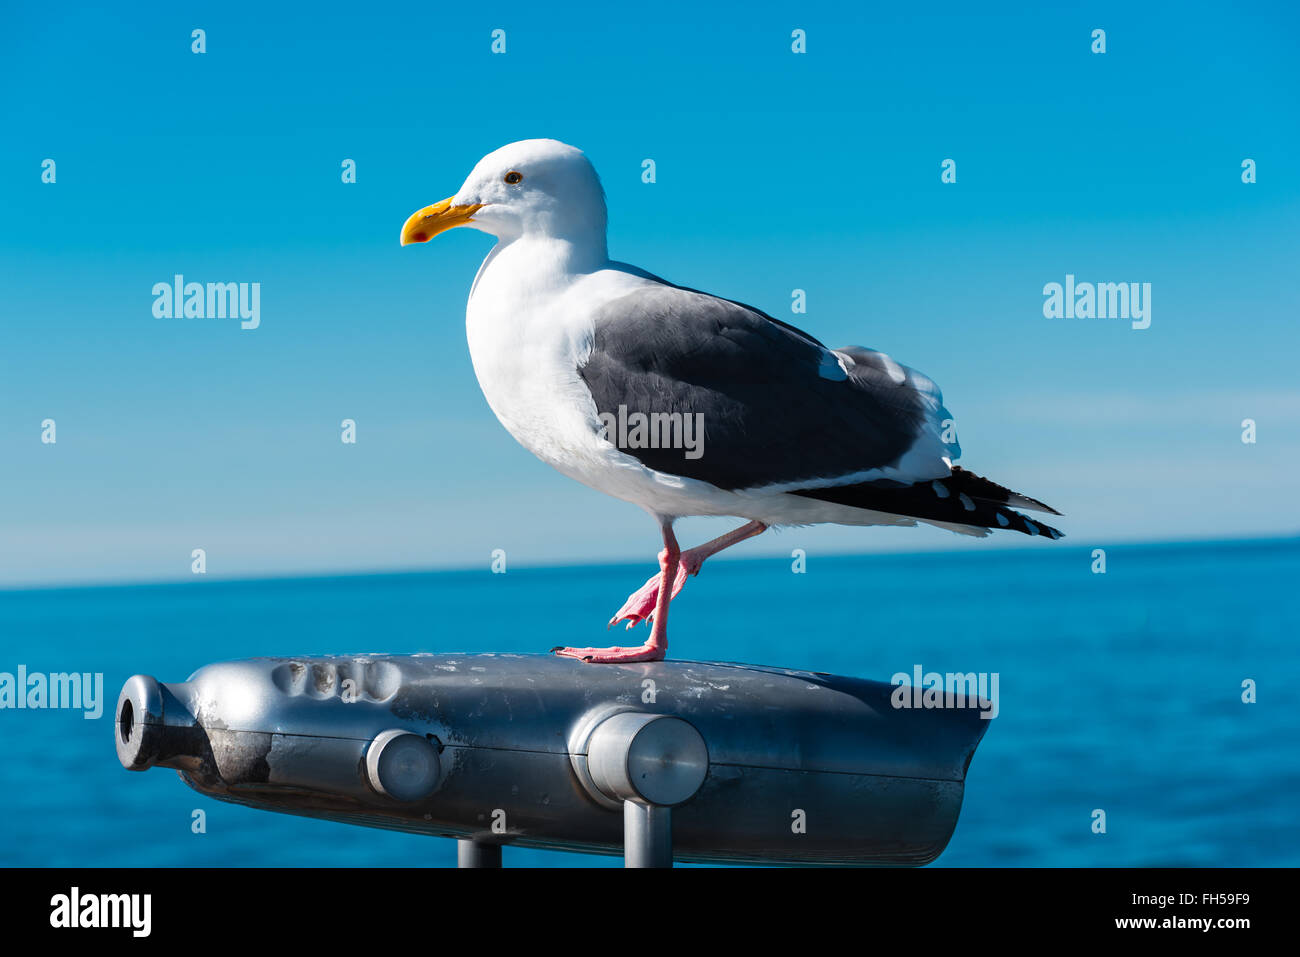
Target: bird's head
<point>530,188</point>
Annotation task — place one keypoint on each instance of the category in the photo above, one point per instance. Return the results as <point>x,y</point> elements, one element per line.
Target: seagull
<point>686,403</point>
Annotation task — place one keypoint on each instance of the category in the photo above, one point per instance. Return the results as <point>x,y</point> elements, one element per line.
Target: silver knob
<point>402,765</point>
<point>653,759</point>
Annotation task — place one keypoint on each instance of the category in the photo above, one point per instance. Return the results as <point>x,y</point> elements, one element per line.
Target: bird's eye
<point>512,177</point>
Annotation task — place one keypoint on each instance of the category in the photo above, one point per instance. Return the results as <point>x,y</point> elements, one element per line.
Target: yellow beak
<point>432,220</point>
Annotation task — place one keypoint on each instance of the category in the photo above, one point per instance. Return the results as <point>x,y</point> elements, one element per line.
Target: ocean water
<point>1120,692</point>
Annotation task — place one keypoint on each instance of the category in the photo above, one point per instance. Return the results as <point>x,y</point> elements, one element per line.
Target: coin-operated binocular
<point>693,761</point>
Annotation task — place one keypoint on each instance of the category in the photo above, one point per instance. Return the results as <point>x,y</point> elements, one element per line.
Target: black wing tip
<point>940,500</point>
<point>1028,526</point>
<point>998,518</point>
<point>977,486</point>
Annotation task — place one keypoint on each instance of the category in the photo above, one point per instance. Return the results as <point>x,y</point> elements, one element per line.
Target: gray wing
<point>776,405</point>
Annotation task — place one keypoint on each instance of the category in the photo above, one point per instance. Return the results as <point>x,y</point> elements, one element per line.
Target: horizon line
<point>303,576</point>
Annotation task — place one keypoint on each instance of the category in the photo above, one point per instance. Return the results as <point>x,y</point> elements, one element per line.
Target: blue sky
<point>775,171</point>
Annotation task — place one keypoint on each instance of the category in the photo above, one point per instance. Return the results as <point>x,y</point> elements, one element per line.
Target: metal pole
<point>647,835</point>
<point>472,853</point>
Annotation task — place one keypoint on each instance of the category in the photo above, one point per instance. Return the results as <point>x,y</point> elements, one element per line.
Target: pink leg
<point>643,603</point>
<point>657,645</point>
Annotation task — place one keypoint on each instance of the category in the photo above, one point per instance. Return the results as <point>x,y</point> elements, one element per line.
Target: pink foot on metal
<point>649,601</point>
<point>650,651</point>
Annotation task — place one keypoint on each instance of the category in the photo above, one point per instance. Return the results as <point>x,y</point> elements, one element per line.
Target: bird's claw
<point>640,605</point>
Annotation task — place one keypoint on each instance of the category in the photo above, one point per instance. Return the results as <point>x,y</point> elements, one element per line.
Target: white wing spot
<point>1002,520</point>
<point>832,367</point>
<point>940,489</point>
<point>1033,529</point>
<point>966,503</point>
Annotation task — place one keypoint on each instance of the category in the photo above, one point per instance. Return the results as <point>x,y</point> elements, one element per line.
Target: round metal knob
<point>653,759</point>
<point>402,765</point>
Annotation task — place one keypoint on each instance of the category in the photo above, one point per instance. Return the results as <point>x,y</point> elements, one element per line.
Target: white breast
<point>529,331</point>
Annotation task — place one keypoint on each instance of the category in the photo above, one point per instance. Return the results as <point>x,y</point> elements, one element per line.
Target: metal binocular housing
<point>693,761</point>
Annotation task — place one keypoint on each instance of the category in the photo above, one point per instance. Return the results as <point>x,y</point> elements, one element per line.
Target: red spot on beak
<point>420,237</point>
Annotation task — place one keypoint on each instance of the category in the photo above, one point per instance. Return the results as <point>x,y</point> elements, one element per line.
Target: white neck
<point>537,265</point>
